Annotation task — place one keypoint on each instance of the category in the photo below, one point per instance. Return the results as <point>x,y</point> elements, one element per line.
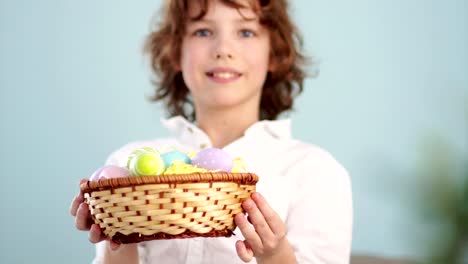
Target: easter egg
<point>238,165</point>
<point>146,163</point>
<point>138,152</point>
<point>109,172</point>
<point>213,159</point>
<point>170,157</point>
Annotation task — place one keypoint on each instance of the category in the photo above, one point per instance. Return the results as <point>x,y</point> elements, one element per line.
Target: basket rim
<point>246,178</point>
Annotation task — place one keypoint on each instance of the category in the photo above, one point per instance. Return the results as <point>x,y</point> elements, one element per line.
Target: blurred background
<point>390,102</point>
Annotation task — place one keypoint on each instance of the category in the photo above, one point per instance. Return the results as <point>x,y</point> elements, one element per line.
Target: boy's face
<point>225,57</point>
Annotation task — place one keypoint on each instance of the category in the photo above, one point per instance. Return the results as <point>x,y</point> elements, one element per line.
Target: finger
<point>271,217</point>
<point>258,221</point>
<point>244,252</point>
<point>77,200</point>
<point>83,218</point>
<point>114,245</point>
<point>95,234</point>
<point>248,232</point>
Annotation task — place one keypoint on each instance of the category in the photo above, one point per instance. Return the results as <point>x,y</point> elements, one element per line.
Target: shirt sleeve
<point>101,247</point>
<point>319,219</point>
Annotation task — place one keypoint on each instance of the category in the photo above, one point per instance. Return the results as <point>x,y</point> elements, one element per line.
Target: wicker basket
<point>136,209</point>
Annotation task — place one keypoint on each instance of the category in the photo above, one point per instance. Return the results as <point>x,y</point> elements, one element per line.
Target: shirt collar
<point>193,136</point>
<point>275,128</point>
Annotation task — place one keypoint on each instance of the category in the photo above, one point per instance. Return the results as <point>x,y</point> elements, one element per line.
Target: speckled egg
<point>213,159</point>
<point>170,157</point>
<point>110,171</point>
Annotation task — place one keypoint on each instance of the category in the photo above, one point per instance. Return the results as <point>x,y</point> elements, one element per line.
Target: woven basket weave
<point>136,209</point>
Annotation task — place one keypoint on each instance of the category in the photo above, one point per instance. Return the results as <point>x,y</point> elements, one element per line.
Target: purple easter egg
<point>110,171</point>
<point>213,159</point>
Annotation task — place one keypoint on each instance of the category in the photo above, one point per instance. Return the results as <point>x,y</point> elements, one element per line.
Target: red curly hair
<point>163,46</point>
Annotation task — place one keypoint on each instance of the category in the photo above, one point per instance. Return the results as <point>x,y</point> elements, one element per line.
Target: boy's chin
<point>225,103</point>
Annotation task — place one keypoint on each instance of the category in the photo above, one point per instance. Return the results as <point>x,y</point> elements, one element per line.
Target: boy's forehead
<point>195,8</point>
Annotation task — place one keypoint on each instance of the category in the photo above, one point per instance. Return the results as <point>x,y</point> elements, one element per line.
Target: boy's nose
<point>223,49</point>
<point>220,55</point>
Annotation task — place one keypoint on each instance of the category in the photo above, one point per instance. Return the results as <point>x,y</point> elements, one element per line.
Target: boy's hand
<point>266,238</point>
<point>83,221</point>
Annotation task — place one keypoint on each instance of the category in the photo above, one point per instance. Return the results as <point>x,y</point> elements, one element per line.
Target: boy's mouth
<point>223,75</point>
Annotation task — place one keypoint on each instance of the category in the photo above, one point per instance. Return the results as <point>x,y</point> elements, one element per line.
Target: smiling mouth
<point>223,75</point>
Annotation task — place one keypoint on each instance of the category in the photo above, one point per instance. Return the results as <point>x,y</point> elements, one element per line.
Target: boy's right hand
<point>83,221</point>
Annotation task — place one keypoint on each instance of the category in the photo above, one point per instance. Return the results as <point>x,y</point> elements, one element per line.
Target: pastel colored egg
<point>138,152</point>
<point>213,159</point>
<point>170,157</point>
<point>239,165</point>
<point>109,172</point>
<point>146,163</point>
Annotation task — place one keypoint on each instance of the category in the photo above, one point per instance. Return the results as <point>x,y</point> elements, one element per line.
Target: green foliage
<point>444,201</point>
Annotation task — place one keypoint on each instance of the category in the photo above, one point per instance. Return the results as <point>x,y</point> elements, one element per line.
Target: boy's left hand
<point>266,237</point>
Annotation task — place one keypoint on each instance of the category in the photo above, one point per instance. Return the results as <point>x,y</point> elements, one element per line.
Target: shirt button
<point>190,130</point>
<point>204,145</point>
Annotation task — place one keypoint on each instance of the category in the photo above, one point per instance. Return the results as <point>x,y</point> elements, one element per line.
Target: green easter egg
<point>147,164</point>
<point>137,152</point>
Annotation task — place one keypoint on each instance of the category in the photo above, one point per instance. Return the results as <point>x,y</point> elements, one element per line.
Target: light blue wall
<point>73,87</point>
<point>392,73</point>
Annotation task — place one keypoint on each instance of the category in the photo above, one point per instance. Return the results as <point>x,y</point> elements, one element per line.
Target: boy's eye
<point>246,33</point>
<point>202,33</point>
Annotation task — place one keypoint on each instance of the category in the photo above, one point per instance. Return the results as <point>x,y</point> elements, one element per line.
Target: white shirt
<point>304,184</point>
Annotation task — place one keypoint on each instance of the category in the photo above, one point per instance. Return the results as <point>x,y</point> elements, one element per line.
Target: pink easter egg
<point>109,172</point>
<point>213,159</point>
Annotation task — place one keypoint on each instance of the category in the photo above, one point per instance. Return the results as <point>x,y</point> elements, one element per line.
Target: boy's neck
<point>224,127</point>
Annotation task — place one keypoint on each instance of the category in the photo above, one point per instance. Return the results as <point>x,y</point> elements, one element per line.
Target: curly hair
<point>282,85</point>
